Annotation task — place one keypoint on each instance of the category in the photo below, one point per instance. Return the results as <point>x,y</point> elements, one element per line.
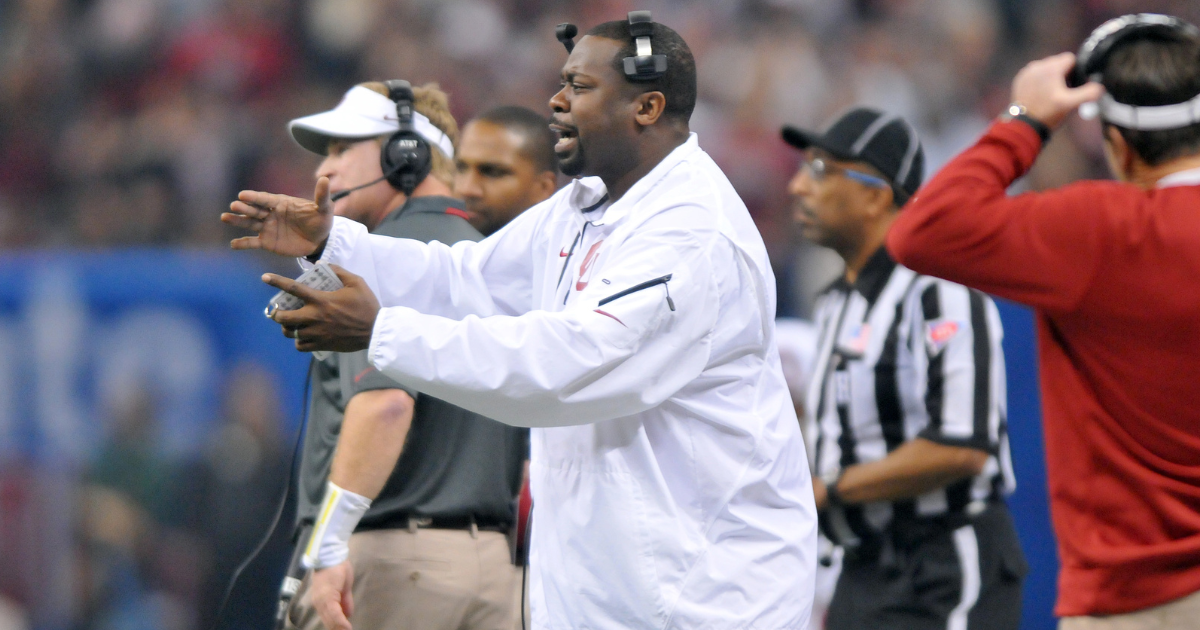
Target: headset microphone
<point>566,35</point>
<point>342,194</point>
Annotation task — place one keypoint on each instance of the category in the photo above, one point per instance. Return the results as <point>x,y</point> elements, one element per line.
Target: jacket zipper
<point>663,280</point>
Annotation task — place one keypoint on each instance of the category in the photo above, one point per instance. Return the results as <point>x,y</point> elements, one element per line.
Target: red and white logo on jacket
<point>585,267</point>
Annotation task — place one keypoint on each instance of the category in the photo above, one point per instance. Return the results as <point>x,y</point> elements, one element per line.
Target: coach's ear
<point>650,107</point>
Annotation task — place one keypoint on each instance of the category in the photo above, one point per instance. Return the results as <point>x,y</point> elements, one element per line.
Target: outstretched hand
<point>288,226</point>
<point>1041,86</point>
<point>340,320</point>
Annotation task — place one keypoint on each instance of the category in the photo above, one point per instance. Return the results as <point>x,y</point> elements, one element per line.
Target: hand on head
<point>1041,86</point>
<point>340,320</point>
<point>288,226</point>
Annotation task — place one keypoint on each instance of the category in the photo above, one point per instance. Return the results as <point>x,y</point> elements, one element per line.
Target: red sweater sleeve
<point>1041,249</point>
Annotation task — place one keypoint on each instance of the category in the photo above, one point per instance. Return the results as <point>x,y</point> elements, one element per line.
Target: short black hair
<point>1152,71</point>
<point>678,84</point>
<point>533,127</point>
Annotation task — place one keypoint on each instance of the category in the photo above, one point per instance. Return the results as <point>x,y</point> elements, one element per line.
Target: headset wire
<point>287,488</point>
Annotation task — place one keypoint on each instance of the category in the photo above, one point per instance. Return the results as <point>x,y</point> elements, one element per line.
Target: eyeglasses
<point>818,168</point>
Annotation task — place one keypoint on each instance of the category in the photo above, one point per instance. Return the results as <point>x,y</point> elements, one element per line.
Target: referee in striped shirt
<point>907,403</point>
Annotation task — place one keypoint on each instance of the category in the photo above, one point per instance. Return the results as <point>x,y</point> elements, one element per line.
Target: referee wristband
<point>339,515</point>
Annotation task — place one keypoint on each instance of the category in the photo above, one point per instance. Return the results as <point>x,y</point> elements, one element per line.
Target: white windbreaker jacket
<point>668,472</point>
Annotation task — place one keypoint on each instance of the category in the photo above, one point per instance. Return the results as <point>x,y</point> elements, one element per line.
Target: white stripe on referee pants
<point>967,546</point>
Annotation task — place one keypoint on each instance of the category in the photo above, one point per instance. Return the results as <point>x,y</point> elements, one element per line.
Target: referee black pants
<point>960,576</point>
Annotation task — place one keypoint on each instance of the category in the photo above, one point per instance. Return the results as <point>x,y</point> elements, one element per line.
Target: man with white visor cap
<point>410,497</point>
<point>362,113</point>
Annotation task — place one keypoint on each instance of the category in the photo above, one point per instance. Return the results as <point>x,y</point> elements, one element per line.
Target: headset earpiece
<point>645,65</point>
<point>1093,54</point>
<point>406,158</point>
<point>566,35</point>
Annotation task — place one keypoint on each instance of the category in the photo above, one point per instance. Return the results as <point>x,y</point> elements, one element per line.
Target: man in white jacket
<point>629,321</point>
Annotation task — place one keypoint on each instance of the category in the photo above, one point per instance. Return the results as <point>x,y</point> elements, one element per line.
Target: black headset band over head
<point>406,158</point>
<point>1094,53</point>
<point>644,65</point>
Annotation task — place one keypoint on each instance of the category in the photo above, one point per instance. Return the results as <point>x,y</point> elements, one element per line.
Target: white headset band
<point>643,47</point>
<point>1150,118</point>
<point>435,136</point>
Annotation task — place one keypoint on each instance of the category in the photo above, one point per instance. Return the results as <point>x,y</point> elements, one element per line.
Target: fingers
<point>298,325</point>
<point>321,194</point>
<point>291,286</point>
<point>348,597</point>
<point>263,200</point>
<point>249,210</point>
<point>1086,93</point>
<point>332,617</point>
<point>295,320</point>
<point>246,242</point>
<point>1062,61</point>
<point>241,221</point>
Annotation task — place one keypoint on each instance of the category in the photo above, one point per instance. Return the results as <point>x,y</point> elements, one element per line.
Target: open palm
<point>288,226</point>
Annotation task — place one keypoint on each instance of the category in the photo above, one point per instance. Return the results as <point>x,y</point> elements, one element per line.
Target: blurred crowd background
<point>133,123</point>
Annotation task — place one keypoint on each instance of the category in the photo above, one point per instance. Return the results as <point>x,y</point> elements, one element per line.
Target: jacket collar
<point>589,192</point>
<point>1190,177</point>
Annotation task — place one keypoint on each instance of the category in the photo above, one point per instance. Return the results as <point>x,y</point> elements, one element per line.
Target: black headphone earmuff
<point>1093,54</point>
<point>405,158</point>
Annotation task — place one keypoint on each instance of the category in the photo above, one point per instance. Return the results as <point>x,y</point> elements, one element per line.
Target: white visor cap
<point>363,113</point>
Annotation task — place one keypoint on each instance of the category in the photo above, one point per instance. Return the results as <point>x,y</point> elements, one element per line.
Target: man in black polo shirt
<point>907,403</point>
<point>426,488</point>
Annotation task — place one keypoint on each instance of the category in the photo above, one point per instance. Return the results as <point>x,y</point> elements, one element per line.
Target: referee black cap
<point>882,140</point>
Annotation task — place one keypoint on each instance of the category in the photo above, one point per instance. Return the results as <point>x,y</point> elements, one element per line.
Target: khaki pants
<point>1181,614</point>
<point>430,579</point>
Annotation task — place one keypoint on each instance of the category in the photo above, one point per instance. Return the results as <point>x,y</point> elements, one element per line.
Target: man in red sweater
<point>1112,269</point>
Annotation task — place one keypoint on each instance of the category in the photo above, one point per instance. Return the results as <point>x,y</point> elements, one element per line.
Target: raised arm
<point>486,278</point>
<point>589,363</point>
<point>481,279</point>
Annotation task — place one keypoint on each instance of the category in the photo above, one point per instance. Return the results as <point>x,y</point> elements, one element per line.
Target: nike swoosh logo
<point>562,253</point>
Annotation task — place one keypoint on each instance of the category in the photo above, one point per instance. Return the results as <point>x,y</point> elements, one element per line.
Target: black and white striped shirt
<point>901,356</point>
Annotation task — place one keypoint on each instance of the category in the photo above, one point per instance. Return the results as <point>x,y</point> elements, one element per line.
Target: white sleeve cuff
<point>340,241</point>
<point>380,352</point>
<point>341,235</point>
